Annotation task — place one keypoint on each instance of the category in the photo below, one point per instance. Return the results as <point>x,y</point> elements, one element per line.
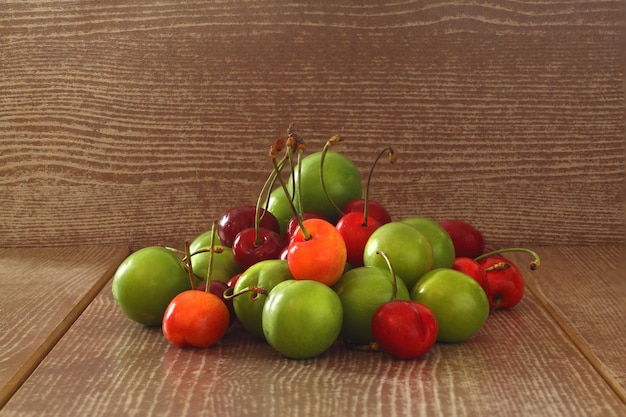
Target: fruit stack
<point>314,262</point>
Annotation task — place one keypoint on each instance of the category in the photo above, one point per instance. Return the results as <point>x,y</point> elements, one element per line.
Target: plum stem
<point>230,292</point>
<point>534,264</point>
<point>392,271</point>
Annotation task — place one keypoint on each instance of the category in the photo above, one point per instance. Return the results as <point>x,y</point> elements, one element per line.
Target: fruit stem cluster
<point>292,142</point>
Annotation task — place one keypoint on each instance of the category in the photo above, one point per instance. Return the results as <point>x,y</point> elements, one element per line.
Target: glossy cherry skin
<point>374,209</point>
<point>195,318</point>
<point>239,218</point>
<point>247,251</point>
<point>505,281</point>
<point>356,232</point>
<point>404,329</point>
<point>472,268</point>
<point>322,257</point>
<point>468,241</point>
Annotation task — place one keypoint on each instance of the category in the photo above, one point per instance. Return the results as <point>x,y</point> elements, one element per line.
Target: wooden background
<point>140,122</point>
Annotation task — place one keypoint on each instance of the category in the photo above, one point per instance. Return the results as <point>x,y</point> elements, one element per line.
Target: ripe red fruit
<point>252,246</point>
<point>505,281</point>
<point>404,329</point>
<point>472,268</point>
<point>195,318</point>
<point>321,256</point>
<point>374,209</point>
<point>356,232</point>
<point>467,240</point>
<point>239,218</point>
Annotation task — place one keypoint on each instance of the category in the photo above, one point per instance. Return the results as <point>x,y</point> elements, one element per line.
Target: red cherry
<point>356,232</point>
<point>505,281</point>
<point>319,254</point>
<point>467,240</point>
<point>404,329</point>
<point>250,248</point>
<point>242,217</point>
<point>472,268</point>
<point>195,318</point>
<point>374,209</point>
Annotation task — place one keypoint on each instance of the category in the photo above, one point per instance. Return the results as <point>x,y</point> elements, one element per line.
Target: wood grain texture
<point>588,295</point>
<point>42,292</point>
<point>520,363</point>
<point>141,123</point>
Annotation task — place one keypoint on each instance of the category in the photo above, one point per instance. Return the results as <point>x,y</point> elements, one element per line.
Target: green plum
<point>248,306</point>
<point>443,248</point>
<point>457,300</point>
<point>302,318</point>
<point>224,265</point>
<point>408,249</point>
<point>361,291</point>
<point>146,281</point>
<point>279,206</point>
<point>341,177</point>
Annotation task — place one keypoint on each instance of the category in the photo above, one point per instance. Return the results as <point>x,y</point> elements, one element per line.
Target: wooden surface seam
<point>39,354</point>
<point>578,342</point>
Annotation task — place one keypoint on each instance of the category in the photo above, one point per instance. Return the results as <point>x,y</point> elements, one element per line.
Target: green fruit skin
<point>302,318</point>
<point>443,247</point>
<point>146,281</point>
<point>457,301</point>
<point>249,306</point>
<point>342,179</point>
<point>278,205</point>
<point>361,291</point>
<point>408,250</point>
<point>224,265</point>
<point>343,183</point>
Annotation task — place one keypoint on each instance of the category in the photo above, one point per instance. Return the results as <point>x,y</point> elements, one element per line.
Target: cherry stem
<point>330,142</point>
<point>230,292</point>
<point>534,264</point>
<point>392,158</point>
<point>393,273</point>
<point>189,266</point>
<point>298,186</point>
<point>500,266</point>
<point>298,218</point>
<point>209,270</point>
<point>293,142</point>
<point>264,196</point>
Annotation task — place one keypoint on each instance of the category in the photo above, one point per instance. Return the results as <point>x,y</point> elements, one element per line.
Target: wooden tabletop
<point>559,352</point>
<point>128,124</point>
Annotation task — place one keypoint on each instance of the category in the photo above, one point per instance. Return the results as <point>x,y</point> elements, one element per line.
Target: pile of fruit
<point>315,261</point>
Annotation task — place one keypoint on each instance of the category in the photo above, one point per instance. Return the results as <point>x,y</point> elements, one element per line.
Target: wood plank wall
<point>141,122</point>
